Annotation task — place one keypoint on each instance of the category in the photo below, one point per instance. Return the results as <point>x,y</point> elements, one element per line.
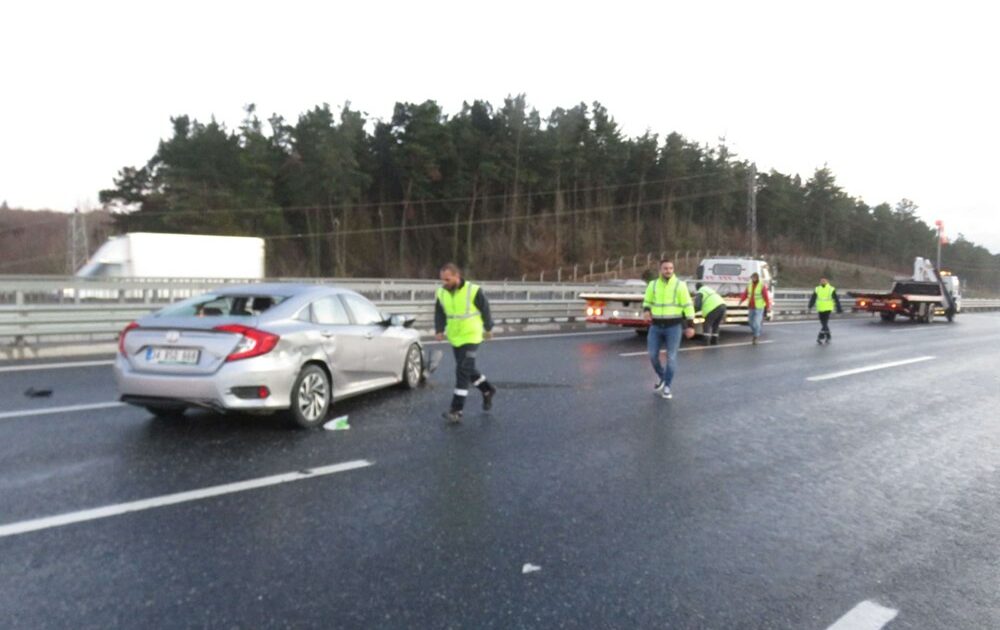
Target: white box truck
<point>154,255</point>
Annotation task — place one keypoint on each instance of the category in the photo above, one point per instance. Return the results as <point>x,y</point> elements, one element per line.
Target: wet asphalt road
<point>755,499</point>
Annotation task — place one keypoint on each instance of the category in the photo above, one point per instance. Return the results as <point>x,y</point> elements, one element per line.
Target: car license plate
<point>173,356</point>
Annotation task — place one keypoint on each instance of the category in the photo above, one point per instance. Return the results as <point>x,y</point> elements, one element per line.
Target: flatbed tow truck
<point>622,304</point>
<point>922,297</point>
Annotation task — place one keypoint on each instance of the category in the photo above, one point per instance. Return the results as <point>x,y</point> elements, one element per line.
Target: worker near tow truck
<point>712,307</point>
<point>668,308</point>
<point>758,304</point>
<point>824,298</point>
<point>462,314</point>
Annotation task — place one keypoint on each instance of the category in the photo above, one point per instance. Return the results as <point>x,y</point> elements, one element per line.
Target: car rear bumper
<point>214,391</point>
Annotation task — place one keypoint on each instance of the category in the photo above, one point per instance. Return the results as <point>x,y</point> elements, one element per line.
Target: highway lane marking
<point>865,616</point>
<point>23,413</point>
<point>52,366</point>
<point>544,336</point>
<point>48,522</point>
<point>868,368</point>
<point>697,348</point>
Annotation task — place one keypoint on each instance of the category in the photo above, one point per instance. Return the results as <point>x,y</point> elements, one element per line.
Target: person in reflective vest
<point>462,314</point>
<point>668,308</point>
<point>758,304</point>
<point>825,299</point>
<point>712,307</point>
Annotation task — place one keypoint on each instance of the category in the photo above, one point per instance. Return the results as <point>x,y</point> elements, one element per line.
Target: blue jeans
<point>657,338</point>
<point>756,320</point>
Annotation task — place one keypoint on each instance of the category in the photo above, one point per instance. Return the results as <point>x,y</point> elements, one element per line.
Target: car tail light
<point>590,311</point>
<point>121,337</point>
<point>253,344</point>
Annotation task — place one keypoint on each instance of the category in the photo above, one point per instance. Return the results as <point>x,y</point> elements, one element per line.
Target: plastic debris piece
<point>337,424</point>
<point>530,568</point>
<point>31,392</point>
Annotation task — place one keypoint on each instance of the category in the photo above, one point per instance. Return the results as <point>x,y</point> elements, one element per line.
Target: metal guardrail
<point>46,310</point>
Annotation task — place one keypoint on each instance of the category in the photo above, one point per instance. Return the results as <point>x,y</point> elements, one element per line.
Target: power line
<point>390,204</point>
<point>492,220</point>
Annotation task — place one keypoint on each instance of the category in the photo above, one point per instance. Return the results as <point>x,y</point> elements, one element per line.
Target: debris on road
<point>530,568</point>
<point>337,424</point>
<point>31,392</point>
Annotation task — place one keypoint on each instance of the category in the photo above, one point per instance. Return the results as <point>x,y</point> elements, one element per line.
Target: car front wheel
<point>413,367</point>
<point>310,397</point>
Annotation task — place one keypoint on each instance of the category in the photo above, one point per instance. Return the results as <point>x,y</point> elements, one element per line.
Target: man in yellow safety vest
<point>462,314</point>
<point>668,309</point>
<point>824,298</point>
<point>712,307</point>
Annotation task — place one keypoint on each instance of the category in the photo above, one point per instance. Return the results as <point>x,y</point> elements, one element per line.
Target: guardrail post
<point>19,298</point>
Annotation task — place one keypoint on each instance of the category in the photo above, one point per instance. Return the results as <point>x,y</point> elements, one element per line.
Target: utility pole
<point>940,237</point>
<point>76,239</point>
<point>752,209</point>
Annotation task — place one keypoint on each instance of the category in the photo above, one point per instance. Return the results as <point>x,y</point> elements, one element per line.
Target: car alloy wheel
<point>413,369</point>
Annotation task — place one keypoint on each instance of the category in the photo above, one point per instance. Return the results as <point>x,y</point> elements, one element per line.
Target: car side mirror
<point>404,321</point>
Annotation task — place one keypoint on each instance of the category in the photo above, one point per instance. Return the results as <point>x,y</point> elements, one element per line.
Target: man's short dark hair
<point>452,267</point>
<point>665,260</point>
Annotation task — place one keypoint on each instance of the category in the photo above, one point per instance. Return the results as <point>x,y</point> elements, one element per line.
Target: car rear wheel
<point>413,367</point>
<point>166,413</point>
<point>310,397</point>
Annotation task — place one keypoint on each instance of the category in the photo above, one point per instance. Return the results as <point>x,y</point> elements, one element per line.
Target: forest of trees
<point>501,190</point>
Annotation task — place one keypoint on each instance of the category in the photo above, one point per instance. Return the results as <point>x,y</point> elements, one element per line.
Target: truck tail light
<point>121,337</point>
<point>253,343</point>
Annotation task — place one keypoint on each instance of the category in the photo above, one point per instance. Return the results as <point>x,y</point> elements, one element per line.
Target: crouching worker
<point>712,307</point>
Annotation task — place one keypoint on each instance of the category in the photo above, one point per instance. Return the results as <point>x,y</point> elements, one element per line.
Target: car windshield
<point>230,305</point>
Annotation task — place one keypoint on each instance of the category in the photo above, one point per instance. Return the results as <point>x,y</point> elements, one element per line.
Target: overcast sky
<point>900,99</point>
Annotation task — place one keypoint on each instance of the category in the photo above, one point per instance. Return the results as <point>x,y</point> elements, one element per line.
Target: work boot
<point>453,417</point>
<point>488,398</point>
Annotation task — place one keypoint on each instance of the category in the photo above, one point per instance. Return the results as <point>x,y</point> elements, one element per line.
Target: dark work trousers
<point>824,322</point>
<point>712,322</point>
<point>466,374</point>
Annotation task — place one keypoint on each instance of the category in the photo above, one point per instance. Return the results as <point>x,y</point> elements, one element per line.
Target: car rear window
<point>222,306</point>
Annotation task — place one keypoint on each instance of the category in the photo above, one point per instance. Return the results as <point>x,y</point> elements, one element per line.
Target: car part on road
<point>310,397</point>
<point>31,392</point>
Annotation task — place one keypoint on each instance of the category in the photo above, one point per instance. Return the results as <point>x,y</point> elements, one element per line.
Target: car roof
<point>283,289</point>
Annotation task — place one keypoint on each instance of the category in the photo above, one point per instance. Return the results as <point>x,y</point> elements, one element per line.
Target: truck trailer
<point>156,255</point>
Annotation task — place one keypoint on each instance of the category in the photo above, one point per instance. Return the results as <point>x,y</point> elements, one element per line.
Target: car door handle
<point>327,334</point>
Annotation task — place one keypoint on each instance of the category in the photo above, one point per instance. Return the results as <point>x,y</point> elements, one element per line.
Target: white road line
<point>865,616</point>
<point>868,368</point>
<point>544,336</point>
<point>24,413</point>
<point>52,366</point>
<point>697,348</point>
<point>23,527</point>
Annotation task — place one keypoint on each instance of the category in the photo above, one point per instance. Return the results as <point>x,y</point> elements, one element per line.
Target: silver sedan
<point>266,347</point>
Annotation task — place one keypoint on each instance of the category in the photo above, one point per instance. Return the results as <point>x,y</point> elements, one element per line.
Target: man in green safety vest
<point>462,314</point>
<point>712,307</point>
<point>824,298</point>
<point>668,309</point>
